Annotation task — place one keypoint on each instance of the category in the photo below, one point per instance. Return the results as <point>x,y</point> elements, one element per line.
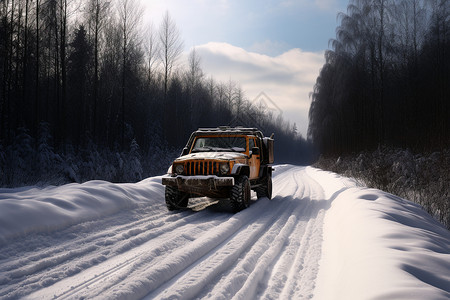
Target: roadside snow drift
<point>32,209</point>
<point>321,236</point>
<point>379,246</point>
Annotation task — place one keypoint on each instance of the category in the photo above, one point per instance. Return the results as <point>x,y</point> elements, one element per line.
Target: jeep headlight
<point>179,169</point>
<point>224,168</point>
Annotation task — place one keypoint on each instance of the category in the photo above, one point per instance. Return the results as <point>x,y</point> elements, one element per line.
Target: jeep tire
<point>240,194</point>
<point>265,190</point>
<point>175,199</point>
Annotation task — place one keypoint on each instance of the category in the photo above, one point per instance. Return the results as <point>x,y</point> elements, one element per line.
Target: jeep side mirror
<point>255,150</point>
<point>185,151</point>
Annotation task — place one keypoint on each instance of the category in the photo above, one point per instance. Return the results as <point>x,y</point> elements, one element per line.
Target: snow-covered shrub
<point>159,159</point>
<point>50,164</point>
<point>132,168</point>
<point>22,158</point>
<point>422,178</point>
<point>71,165</point>
<point>98,163</point>
<point>27,163</point>
<point>2,163</point>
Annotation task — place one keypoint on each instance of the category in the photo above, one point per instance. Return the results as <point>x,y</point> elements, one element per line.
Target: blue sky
<point>269,46</point>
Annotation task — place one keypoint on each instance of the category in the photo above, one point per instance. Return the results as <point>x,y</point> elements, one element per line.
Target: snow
<point>33,209</point>
<point>322,236</point>
<point>385,248</point>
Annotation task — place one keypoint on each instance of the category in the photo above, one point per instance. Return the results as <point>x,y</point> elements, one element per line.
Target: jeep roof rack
<point>228,129</point>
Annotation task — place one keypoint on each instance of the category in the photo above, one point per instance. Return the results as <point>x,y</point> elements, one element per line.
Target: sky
<point>273,49</point>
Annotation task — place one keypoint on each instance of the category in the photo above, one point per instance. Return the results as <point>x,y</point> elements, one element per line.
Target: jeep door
<point>254,160</point>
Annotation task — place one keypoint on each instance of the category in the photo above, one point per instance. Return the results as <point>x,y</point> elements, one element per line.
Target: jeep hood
<point>212,156</point>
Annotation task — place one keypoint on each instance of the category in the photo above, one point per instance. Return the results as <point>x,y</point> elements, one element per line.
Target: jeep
<point>224,163</point>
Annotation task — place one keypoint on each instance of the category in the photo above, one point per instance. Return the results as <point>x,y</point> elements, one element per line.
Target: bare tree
<point>171,47</point>
<point>194,78</point>
<point>194,72</point>
<point>239,101</point>
<point>63,19</point>
<point>5,68</point>
<point>96,16</point>
<point>25,51</point>
<point>151,50</point>
<point>410,16</point>
<point>37,67</point>
<point>130,14</point>
<point>230,94</point>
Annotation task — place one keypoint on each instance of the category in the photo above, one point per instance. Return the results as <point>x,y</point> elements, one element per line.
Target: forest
<point>89,91</point>
<point>380,108</point>
<point>386,80</point>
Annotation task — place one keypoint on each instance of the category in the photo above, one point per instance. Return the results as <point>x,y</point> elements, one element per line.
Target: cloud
<point>321,4</point>
<point>269,47</point>
<point>287,78</point>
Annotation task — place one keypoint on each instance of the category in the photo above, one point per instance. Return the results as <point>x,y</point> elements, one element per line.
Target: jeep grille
<point>202,168</point>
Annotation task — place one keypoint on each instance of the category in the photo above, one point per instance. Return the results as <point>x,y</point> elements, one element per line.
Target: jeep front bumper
<point>211,182</point>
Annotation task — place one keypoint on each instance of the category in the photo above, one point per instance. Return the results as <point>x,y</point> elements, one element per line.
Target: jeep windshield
<point>220,144</point>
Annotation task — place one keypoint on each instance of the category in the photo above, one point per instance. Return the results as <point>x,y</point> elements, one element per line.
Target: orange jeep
<point>221,162</point>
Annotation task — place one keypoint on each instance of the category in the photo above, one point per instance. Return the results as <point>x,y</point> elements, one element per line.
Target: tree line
<point>386,80</point>
<point>85,75</point>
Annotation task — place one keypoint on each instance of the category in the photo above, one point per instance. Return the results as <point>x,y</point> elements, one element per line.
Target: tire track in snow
<point>102,236</point>
<point>259,278</point>
<point>263,255</point>
<point>301,279</point>
<point>192,255</point>
<point>269,251</point>
<point>291,270</point>
<point>156,266</point>
<point>224,257</point>
<point>292,225</point>
<point>48,266</point>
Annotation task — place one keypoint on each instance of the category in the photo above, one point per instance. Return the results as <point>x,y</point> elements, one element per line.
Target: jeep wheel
<point>265,190</point>
<point>175,199</point>
<point>240,194</point>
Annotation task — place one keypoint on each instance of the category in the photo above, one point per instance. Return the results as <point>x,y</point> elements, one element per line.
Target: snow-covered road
<point>291,247</point>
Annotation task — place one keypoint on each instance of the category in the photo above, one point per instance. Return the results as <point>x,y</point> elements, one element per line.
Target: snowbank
<point>421,178</point>
<point>33,209</point>
<point>375,245</point>
<point>379,246</point>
